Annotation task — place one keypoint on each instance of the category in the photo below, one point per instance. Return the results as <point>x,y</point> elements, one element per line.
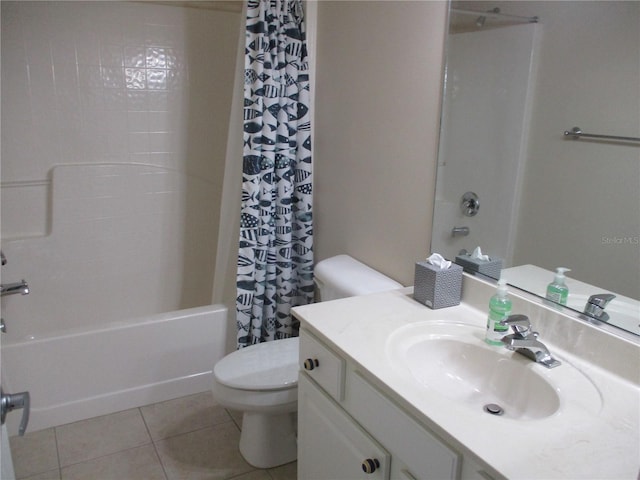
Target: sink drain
<point>493,409</point>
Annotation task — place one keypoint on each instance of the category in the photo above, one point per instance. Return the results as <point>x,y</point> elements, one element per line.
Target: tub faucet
<point>13,288</point>
<point>524,341</point>
<point>596,304</point>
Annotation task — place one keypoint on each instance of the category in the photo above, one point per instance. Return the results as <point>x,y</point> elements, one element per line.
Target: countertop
<point>577,441</point>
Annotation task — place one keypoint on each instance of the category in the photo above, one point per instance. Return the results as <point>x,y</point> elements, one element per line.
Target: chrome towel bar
<point>577,133</point>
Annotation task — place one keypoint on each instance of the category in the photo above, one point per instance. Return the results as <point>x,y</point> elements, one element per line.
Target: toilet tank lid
<point>350,277</point>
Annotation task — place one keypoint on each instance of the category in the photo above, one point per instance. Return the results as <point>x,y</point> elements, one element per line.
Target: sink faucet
<point>524,341</point>
<point>596,304</point>
<point>13,288</point>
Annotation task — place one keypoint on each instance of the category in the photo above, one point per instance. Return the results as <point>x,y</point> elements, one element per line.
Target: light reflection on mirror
<point>545,200</point>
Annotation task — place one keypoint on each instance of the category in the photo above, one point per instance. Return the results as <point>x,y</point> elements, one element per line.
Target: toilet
<point>262,380</point>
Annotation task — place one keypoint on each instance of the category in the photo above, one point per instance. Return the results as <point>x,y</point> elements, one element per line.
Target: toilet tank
<point>343,276</point>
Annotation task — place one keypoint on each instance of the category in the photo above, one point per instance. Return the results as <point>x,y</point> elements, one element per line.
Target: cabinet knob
<point>310,363</point>
<point>370,465</point>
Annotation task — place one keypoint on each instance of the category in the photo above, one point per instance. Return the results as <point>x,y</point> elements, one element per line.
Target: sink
<point>452,360</point>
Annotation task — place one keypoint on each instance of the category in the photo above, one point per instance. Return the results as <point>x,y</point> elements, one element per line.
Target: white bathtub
<point>81,374</point>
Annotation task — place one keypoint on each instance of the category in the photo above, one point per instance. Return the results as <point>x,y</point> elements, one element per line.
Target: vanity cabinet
<point>350,429</point>
<point>374,389</point>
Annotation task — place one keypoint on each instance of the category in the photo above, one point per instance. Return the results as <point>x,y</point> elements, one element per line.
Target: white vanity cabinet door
<point>330,444</point>
<point>417,451</point>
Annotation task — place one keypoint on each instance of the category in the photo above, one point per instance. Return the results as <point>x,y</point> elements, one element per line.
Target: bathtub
<point>78,374</point>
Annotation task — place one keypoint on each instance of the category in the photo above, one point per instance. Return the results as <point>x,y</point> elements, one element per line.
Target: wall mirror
<point>514,84</point>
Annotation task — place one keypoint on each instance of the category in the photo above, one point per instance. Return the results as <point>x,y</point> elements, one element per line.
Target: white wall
<point>86,85</point>
<point>379,72</point>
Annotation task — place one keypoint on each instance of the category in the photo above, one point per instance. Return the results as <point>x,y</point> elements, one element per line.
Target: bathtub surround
<point>98,83</point>
<point>114,252</point>
<point>114,130</point>
<point>275,258</point>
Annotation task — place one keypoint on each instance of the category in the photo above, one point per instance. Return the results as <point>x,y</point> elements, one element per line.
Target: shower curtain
<point>275,257</point>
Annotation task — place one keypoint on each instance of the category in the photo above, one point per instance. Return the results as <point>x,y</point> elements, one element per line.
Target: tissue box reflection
<point>437,288</point>
<point>490,268</point>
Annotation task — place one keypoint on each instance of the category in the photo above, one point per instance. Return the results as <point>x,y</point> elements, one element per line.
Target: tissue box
<point>437,288</point>
<point>490,268</point>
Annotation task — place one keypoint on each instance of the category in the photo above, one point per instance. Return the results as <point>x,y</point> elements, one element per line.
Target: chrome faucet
<point>596,304</point>
<point>524,341</point>
<point>12,288</point>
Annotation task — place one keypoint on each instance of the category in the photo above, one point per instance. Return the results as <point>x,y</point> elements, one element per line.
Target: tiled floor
<point>187,438</point>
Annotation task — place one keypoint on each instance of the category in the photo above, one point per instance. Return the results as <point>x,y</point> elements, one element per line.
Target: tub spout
<point>12,288</point>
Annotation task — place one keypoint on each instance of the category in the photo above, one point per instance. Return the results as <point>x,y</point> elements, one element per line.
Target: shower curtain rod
<point>491,14</point>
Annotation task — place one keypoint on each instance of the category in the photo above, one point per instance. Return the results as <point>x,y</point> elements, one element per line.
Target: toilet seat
<point>264,367</point>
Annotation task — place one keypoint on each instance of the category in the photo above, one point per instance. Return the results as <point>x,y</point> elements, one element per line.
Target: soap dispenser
<point>557,291</point>
<point>499,309</point>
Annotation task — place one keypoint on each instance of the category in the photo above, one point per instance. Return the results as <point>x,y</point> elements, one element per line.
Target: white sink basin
<point>452,360</point>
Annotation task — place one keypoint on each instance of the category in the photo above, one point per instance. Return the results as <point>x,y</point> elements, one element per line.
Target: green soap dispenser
<point>557,291</point>
<point>499,309</point>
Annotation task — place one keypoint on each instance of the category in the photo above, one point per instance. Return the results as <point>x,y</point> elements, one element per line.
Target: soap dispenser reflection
<point>557,291</point>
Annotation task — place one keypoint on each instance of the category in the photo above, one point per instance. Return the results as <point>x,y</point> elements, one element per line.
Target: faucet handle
<point>601,299</point>
<point>596,304</point>
<point>520,324</point>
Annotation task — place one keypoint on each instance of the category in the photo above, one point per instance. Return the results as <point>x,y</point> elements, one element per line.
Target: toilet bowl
<point>262,380</point>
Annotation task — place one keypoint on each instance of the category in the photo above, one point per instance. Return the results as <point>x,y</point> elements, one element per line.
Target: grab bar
<point>577,133</point>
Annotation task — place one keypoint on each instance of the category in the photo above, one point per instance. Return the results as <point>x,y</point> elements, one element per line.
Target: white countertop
<point>575,442</point>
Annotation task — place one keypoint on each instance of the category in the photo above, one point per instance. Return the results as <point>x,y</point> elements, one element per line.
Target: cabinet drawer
<point>322,364</point>
<point>421,452</point>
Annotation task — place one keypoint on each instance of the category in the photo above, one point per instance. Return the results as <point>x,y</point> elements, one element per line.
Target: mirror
<point>544,199</point>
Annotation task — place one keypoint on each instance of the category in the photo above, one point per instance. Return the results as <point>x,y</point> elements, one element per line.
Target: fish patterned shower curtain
<point>275,260</point>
